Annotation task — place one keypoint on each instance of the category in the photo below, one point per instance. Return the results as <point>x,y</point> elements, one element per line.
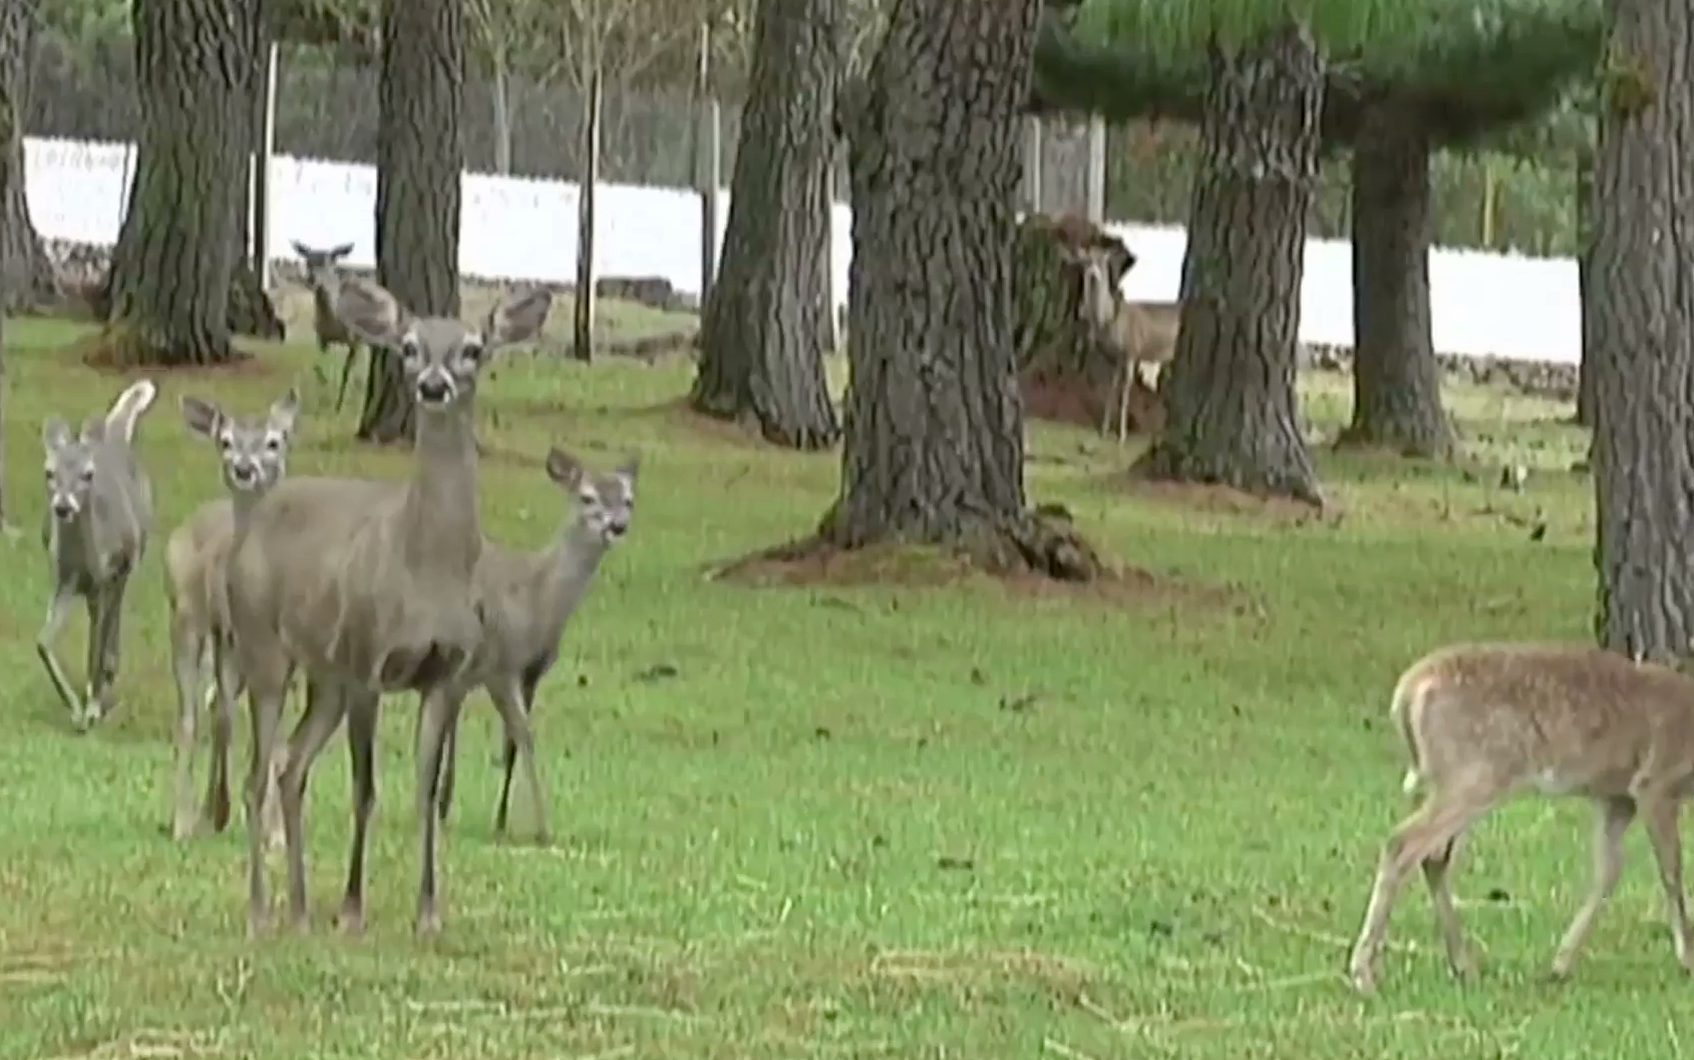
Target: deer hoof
<point>351,920</point>
<point>429,924</point>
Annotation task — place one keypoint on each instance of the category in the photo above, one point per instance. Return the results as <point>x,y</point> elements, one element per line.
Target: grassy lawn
<point>848,822</point>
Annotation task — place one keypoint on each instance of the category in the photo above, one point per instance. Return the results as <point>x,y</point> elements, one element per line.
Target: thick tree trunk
<point>27,276</point>
<point>1396,381</point>
<point>420,157</point>
<point>934,439</point>
<point>1642,357</point>
<point>1584,258</point>
<point>765,324</point>
<point>175,256</point>
<point>1230,405</point>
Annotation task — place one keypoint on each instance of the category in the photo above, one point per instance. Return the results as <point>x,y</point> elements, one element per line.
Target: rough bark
<point>1396,381</point>
<point>1584,257</point>
<point>765,324</point>
<point>934,431</point>
<point>175,254</point>
<point>1230,405</point>
<point>420,156</point>
<point>251,311</point>
<point>29,279</point>
<point>1642,357</point>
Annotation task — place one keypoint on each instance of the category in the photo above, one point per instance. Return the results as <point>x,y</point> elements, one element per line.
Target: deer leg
<point>324,706</point>
<point>439,711</point>
<point>264,698</point>
<point>1659,813</point>
<point>1132,376</point>
<point>1427,831</point>
<point>226,685</point>
<point>103,647</point>
<point>1437,875</point>
<point>520,742</point>
<point>187,650</point>
<point>58,611</point>
<point>346,370</point>
<point>449,764</point>
<point>1611,823</point>
<point>361,737</point>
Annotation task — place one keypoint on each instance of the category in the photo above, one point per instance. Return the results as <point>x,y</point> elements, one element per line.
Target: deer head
<point>606,501</point>
<point>70,466</point>
<point>254,452</point>
<point>441,357</point>
<point>321,271</point>
<point>1102,266</point>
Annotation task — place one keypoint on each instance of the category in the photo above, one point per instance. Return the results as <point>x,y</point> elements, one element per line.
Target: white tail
<point>1485,722</point>
<point>127,410</point>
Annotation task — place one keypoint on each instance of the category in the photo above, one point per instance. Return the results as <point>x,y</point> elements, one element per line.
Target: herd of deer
<point>367,587</point>
<point>374,587</point>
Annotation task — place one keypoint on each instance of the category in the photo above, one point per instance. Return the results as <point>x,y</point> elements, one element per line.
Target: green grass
<point>863,822</point>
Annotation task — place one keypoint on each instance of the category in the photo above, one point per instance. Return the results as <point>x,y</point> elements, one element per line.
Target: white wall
<point>526,229</point>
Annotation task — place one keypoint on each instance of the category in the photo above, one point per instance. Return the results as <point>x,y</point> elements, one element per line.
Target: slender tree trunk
<point>502,93</point>
<point>420,158</point>
<point>28,277</point>
<point>1584,256</point>
<point>1396,381</point>
<point>175,255</point>
<point>250,309</point>
<point>11,171</point>
<point>1231,415</point>
<point>934,438</point>
<point>766,322</point>
<point>1643,326</point>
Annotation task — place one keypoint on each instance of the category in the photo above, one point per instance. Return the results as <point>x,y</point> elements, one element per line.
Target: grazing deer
<point>527,599</point>
<point>1132,333</point>
<point>100,511</point>
<point>368,587</point>
<point>253,454</point>
<point>1486,722</point>
<point>323,275</point>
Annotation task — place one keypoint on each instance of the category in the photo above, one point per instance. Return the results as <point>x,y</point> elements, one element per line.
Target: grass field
<point>829,821</point>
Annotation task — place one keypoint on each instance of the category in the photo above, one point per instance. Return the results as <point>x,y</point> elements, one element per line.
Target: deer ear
<point>285,410</point>
<point>93,430</point>
<point>300,248</point>
<point>55,434</point>
<point>372,312</point>
<point>202,417</point>
<point>517,319</point>
<point>341,250</point>
<point>630,468</point>
<point>563,468</point>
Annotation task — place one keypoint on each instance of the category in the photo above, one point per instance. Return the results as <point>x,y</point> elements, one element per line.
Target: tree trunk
<point>175,254</point>
<point>1642,358</point>
<point>1230,404</point>
<point>764,327</point>
<point>934,428</point>
<point>502,94</point>
<point>1396,381</point>
<point>1584,256</point>
<point>27,276</point>
<point>420,157</point>
<point>251,311</point>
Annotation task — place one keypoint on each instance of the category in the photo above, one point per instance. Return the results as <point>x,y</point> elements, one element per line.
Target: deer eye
<point>471,351</point>
<point>273,443</point>
<point>88,474</point>
<point>410,349</point>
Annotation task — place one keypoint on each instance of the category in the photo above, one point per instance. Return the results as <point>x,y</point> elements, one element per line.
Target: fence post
<point>583,336</point>
<point>1032,148</point>
<point>830,183</point>
<point>1096,177</point>
<point>708,165</point>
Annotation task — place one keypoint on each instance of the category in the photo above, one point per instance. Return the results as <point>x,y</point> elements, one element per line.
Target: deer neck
<point>571,563</point>
<point>442,530</point>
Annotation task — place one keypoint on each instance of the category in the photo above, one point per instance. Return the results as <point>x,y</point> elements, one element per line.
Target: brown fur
<point>1484,723</point>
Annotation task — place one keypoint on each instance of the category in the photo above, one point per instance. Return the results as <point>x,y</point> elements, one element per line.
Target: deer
<point>99,516</point>
<point>527,599</point>
<point>1487,722</point>
<point>1132,333</point>
<point>324,276</point>
<point>253,457</point>
<point>367,586</point>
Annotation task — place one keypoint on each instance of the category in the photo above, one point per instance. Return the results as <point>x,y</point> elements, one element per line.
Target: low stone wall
<point>1549,379</point>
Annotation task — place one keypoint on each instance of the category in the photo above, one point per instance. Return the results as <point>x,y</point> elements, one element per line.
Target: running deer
<point>527,599</point>
<point>253,456</point>
<point>323,275</point>
<point>1131,333</point>
<point>100,511</point>
<point>368,587</point>
<point>1486,722</point>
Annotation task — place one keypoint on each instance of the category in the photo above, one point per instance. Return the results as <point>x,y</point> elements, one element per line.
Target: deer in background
<point>527,598</point>
<point>1485,722</point>
<point>100,511</point>
<point>368,587</point>
<point>1131,333</point>
<point>253,456</point>
<point>324,276</point>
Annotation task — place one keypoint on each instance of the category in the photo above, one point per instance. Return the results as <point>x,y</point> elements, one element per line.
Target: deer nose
<point>63,507</point>
<point>244,472</point>
<point>434,390</point>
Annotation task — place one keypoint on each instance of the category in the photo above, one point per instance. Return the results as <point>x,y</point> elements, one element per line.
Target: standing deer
<point>1131,333</point>
<point>323,275</point>
<point>1486,722</point>
<point>253,455</point>
<point>368,587</point>
<point>100,511</point>
<point>527,599</point>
